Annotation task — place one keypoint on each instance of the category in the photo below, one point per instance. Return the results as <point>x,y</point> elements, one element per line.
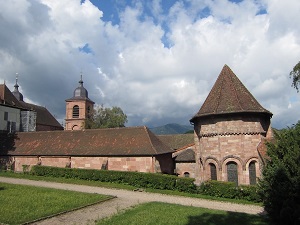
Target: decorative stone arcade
<point>228,129</point>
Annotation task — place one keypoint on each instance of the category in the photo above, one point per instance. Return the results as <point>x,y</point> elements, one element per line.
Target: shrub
<point>136,179</point>
<point>280,183</point>
<point>230,190</point>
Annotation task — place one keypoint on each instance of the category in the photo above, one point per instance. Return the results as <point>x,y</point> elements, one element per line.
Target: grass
<point>164,213</point>
<point>121,186</point>
<point>20,204</point>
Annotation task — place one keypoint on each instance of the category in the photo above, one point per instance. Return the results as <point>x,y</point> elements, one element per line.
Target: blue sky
<point>155,59</point>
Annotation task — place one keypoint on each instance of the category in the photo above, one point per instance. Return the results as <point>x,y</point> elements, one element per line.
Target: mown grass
<point>121,186</point>
<point>164,213</point>
<point>20,203</point>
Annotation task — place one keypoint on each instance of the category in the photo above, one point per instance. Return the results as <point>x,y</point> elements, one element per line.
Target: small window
<point>88,112</point>
<point>252,173</point>
<point>213,171</point>
<point>76,111</point>
<point>5,116</point>
<point>186,174</point>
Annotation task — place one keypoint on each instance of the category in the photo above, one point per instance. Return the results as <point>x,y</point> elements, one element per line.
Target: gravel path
<point>124,200</point>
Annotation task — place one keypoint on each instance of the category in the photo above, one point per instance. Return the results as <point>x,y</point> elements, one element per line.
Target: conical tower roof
<point>229,95</point>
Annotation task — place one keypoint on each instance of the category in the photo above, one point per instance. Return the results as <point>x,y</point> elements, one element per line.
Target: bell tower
<point>78,108</point>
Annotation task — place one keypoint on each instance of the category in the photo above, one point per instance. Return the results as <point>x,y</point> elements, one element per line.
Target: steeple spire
<point>81,81</point>
<point>16,92</point>
<point>16,85</point>
<point>80,91</point>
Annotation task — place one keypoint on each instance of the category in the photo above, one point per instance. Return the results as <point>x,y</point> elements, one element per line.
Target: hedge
<point>136,179</point>
<point>155,181</point>
<point>230,190</point>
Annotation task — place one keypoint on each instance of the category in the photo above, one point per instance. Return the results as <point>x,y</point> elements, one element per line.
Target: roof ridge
<point>235,91</point>
<point>148,135</point>
<point>219,94</point>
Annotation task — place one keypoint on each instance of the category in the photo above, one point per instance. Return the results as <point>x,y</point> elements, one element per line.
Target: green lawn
<point>119,186</point>
<point>20,203</point>
<point>163,213</point>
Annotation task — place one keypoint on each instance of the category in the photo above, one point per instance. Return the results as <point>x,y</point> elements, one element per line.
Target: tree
<point>280,183</point>
<point>103,117</point>
<point>295,75</point>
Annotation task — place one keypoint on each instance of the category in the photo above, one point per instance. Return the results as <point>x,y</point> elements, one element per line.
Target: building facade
<point>122,149</point>
<point>228,130</point>
<point>17,115</point>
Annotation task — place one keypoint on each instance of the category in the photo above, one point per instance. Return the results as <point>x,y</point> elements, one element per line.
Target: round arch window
<point>186,174</point>
<point>232,172</point>
<point>75,111</point>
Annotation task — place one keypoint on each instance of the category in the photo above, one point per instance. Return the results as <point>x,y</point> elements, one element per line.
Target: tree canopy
<point>280,183</point>
<point>295,75</point>
<point>102,117</point>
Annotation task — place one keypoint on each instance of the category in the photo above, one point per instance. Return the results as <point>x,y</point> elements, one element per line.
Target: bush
<point>136,179</point>
<point>230,190</point>
<point>280,183</point>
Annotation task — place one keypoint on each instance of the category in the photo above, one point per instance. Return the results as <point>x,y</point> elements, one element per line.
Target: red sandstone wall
<point>140,164</point>
<point>88,162</point>
<point>221,140</point>
<point>70,121</point>
<point>27,160</point>
<point>181,168</point>
<point>55,161</point>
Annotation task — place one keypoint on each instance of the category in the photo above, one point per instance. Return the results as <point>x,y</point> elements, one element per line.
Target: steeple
<point>16,92</point>
<point>78,108</point>
<point>80,91</point>
<point>229,95</point>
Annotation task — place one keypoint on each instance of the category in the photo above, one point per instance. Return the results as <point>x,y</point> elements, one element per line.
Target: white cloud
<point>129,64</point>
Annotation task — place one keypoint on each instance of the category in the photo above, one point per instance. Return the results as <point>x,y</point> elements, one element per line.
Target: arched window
<point>213,171</point>
<point>76,111</point>
<point>186,174</point>
<point>75,127</point>
<point>252,173</point>
<point>232,172</point>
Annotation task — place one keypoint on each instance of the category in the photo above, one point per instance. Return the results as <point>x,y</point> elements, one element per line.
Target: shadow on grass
<point>230,218</point>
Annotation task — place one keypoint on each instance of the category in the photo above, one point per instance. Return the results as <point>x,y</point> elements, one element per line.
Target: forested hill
<point>172,128</point>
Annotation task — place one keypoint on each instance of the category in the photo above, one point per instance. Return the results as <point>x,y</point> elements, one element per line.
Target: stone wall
<point>163,163</point>
<point>77,123</point>
<point>222,140</point>
<point>186,167</point>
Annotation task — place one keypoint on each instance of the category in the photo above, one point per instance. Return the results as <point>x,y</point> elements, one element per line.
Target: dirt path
<point>125,199</point>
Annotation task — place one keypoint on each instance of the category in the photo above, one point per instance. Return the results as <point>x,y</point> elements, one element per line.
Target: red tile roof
<point>185,154</point>
<point>44,117</point>
<point>177,141</point>
<point>7,98</point>
<point>229,95</point>
<point>127,141</point>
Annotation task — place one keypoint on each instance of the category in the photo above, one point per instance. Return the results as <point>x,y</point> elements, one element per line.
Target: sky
<point>156,59</point>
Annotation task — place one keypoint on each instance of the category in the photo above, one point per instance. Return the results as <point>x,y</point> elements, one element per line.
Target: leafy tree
<point>280,183</point>
<point>102,117</point>
<point>295,75</point>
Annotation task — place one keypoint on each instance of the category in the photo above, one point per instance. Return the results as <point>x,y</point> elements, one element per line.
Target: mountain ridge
<point>171,128</point>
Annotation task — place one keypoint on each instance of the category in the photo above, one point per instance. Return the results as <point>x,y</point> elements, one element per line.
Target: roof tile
<point>97,142</point>
<point>229,95</point>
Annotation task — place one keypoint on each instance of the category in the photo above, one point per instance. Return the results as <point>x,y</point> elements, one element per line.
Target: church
<point>228,144</point>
